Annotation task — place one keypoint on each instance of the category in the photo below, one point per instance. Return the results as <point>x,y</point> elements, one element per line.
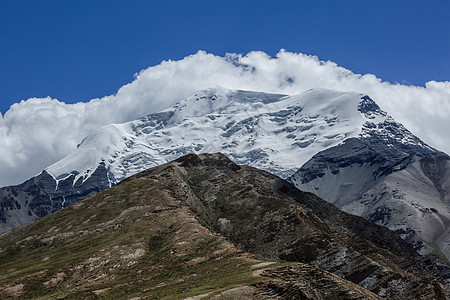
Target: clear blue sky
<point>79,50</point>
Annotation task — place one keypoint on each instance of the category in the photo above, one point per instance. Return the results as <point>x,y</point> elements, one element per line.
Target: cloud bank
<point>39,131</point>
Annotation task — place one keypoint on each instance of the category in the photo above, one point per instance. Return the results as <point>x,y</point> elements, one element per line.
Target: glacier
<point>276,133</point>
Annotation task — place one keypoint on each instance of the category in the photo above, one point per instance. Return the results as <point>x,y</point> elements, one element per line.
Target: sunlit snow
<point>277,133</point>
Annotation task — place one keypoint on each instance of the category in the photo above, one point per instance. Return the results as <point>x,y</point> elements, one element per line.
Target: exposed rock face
<point>204,225</point>
<point>43,194</point>
<point>303,281</point>
<point>408,194</point>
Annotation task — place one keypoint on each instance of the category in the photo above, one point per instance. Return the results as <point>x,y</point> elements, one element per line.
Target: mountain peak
<point>367,105</point>
<point>218,100</point>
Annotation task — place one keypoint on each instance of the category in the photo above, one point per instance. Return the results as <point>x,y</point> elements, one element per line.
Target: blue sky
<point>75,51</point>
<point>79,50</point>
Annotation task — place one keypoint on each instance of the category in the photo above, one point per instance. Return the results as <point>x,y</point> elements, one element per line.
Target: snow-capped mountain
<point>388,176</point>
<point>338,145</point>
<point>276,133</point>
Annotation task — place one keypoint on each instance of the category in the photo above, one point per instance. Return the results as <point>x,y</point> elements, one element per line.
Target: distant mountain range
<point>338,145</point>
<point>204,227</point>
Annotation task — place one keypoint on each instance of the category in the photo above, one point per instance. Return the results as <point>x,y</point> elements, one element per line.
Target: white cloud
<point>37,132</point>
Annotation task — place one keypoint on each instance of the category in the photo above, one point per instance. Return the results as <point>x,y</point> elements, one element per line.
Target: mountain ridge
<point>193,227</point>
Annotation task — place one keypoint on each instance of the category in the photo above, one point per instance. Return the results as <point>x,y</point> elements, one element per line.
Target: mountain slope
<point>339,145</point>
<point>409,194</point>
<point>204,225</point>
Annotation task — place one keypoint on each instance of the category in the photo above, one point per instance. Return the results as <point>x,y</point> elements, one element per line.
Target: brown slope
<point>166,232</point>
<point>140,239</point>
<point>268,217</point>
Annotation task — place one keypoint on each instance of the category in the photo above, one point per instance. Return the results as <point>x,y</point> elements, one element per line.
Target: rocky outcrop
<point>303,281</point>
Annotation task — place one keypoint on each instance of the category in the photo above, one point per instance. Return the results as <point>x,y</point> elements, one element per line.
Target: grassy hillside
<point>133,239</point>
